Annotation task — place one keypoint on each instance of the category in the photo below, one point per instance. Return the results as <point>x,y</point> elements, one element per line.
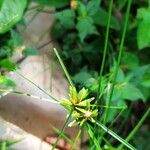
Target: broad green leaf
<point>143,31</point>
<point>30,51</point>
<point>16,38</point>
<point>53,3</point>
<point>120,76</point>
<point>131,92</point>
<point>85,26</point>
<point>146,79</point>
<point>82,77</point>
<point>101,18</point>
<point>8,64</point>
<point>6,82</point>
<point>136,76</point>
<point>11,12</point>
<point>81,9</point>
<point>5,52</point>
<point>130,60</point>
<point>66,18</point>
<point>57,31</point>
<point>93,6</point>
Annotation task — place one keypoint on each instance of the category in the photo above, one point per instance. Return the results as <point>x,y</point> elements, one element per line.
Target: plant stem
<point>105,48</point>
<point>94,139</point>
<point>37,86</point>
<point>3,146</point>
<point>132,133</point>
<point>113,134</point>
<point>62,130</point>
<point>119,58</point>
<point>103,133</point>
<point>63,67</point>
<point>63,135</point>
<point>76,138</point>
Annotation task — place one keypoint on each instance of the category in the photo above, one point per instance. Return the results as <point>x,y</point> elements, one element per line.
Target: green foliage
<point>8,65</point>
<point>10,13</point>
<point>101,17</point>
<point>143,32</point>
<point>6,144</point>
<point>129,60</point>
<point>53,3</point>
<point>83,41</point>
<point>131,92</point>
<point>85,27</point>
<point>66,18</point>
<point>6,82</point>
<point>80,30</point>
<point>30,51</point>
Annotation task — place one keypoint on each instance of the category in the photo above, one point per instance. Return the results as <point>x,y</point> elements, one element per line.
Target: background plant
<point>91,34</point>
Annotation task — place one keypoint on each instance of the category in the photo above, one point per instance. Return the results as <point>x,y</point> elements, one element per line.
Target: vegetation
<point>107,44</point>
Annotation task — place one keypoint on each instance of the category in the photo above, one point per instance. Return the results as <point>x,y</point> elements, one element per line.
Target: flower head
<point>80,105</point>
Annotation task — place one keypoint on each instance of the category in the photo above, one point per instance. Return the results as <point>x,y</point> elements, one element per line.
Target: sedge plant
<point>88,112</point>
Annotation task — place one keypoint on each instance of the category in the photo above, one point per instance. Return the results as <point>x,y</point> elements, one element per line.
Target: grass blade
<point>105,48</point>
<point>62,130</point>
<point>26,94</point>
<point>76,138</point>
<point>63,135</point>
<point>119,58</point>
<point>3,145</point>
<point>63,67</point>
<point>113,134</point>
<point>136,128</point>
<point>37,86</point>
<point>91,134</point>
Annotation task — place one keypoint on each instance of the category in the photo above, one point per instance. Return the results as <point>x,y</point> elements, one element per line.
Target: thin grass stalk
<point>126,118</point>
<point>132,133</point>
<point>103,133</point>
<point>3,146</point>
<point>117,137</point>
<point>27,94</point>
<point>37,86</point>
<point>94,139</point>
<point>63,135</point>
<point>108,143</point>
<point>105,48</point>
<point>119,57</point>
<point>63,67</point>
<point>62,130</point>
<point>76,138</point>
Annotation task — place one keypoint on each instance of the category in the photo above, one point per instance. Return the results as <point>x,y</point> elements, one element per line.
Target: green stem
<point>105,47</point>
<point>119,57</point>
<point>76,138</point>
<point>132,133</point>
<point>62,130</point>
<point>92,136</point>
<point>37,86</point>
<point>103,133</point>
<point>3,146</point>
<point>63,67</point>
<point>113,134</point>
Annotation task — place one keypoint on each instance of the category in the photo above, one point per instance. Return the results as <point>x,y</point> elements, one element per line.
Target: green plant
<point>6,144</point>
<point>82,46</point>
<point>106,43</point>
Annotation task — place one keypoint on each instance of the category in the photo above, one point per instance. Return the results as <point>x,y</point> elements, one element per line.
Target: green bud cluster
<point>80,105</point>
